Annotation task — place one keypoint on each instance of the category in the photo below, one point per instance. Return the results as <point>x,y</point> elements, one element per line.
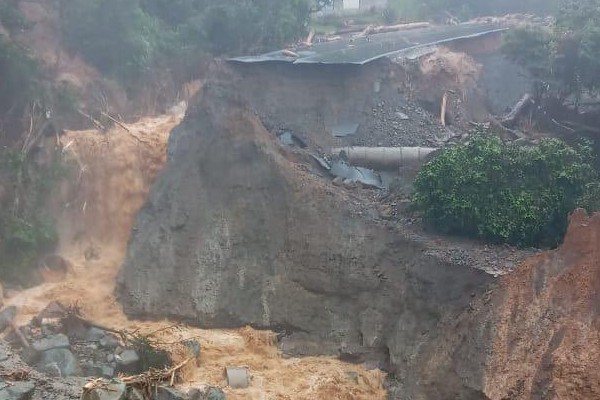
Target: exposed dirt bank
<point>549,322</point>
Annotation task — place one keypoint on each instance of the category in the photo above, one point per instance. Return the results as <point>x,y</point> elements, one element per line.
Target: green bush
<point>19,74</point>
<point>506,193</point>
<point>26,231</point>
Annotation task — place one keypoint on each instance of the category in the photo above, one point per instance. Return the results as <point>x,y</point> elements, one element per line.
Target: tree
<point>505,193</point>
<point>116,36</point>
<point>565,57</point>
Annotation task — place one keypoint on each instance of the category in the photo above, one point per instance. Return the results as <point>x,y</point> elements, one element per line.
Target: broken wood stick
<point>289,53</point>
<point>443,109</point>
<point>155,377</point>
<point>92,119</point>
<point>309,38</point>
<point>519,108</point>
<point>400,27</point>
<point>116,121</point>
<point>93,324</point>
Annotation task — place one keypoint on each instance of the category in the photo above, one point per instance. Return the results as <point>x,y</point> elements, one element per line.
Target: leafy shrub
<point>26,231</point>
<point>125,37</point>
<point>506,193</point>
<point>116,36</point>
<point>19,74</point>
<point>11,17</point>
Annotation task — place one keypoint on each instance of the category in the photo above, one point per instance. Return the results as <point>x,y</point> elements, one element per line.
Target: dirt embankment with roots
<point>547,344</point>
<point>112,174</point>
<point>539,327</point>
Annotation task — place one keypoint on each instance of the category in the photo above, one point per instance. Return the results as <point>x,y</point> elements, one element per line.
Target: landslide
<point>112,173</point>
<point>549,322</point>
<point>538,327</point>
<point>242,230</point>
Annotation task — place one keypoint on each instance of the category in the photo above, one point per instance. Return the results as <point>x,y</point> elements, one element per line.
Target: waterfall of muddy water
<point>96,210</point>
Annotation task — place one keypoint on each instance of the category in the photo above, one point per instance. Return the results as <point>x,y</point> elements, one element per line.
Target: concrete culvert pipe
<point>385,158</point>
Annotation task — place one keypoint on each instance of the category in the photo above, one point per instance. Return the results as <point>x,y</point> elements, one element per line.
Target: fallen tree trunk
<point>385,157</point>
<point>401,27</point>
<point>519,108</point>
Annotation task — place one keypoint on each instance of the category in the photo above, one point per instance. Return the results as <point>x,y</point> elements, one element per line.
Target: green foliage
<point>116,36</point>
<point>26,231</point>
<point>506,193</point>
<point>465,9</point>
<point>11,17</point>
<point>19,74</point>
<point>125,37</point>
<point>566,58</point>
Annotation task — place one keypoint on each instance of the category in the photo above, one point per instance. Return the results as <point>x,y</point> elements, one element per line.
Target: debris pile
<point>59,343</point>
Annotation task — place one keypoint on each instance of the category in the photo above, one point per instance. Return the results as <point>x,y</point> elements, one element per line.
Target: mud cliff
<point>238,231</point>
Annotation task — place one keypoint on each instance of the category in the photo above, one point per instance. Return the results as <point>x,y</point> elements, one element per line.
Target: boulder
<point>116,391</point>
<point>109,342</point>
<point>206,393</point>
<point>18,391</point>
<point>58,362</point>
<point>168,393</point>
<point>128,362</point>
<point>51,342</point>
<point>95,334</point>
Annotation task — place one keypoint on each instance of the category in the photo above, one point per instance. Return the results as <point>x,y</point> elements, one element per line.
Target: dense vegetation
<point>565,57</point>
<point>465,9</point>
<point>26,231</point>
<point>506,193</point>
<point>125,37</point>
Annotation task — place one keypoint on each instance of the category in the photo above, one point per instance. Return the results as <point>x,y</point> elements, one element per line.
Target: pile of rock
<point>60,347</point>
<point>76,349</point>
<point>117,390</point>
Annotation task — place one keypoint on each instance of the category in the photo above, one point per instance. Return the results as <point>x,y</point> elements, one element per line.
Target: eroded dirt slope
<point>548,334</point>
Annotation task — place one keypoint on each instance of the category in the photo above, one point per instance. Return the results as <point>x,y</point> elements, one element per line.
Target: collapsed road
<point>243,229</point>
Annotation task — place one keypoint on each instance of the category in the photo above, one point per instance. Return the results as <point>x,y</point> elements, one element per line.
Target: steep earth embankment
<point>239,230</point>
<point>538,327</point>
<point>549,322</point>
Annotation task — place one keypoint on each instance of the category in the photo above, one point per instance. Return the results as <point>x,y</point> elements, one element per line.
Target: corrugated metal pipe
<point>385,158</point>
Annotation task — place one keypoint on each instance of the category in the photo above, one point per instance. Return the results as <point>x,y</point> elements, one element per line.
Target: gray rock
<point>128,362</point>
<point>117,391</point>
<point>51,342</point>
<point>3,355</point>
<point>135,394</point>
<point>206,393</point>
<point>109,342</point>
<point>110,358</point>
<point>58,361</point>
<point>95,334</point>
<point>7,315</point>
<point>107,371</point>
<point>168,393</point>
<point>18,391</point>
<point>127,357</point>
<point>402,116</point>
